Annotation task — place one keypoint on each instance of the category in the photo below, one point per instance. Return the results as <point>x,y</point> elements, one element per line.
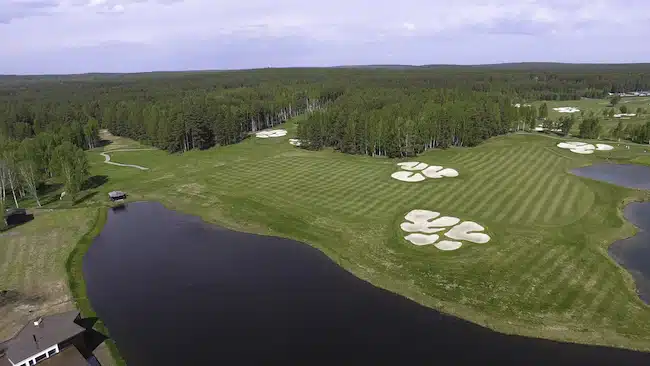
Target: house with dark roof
<point>50,340</point>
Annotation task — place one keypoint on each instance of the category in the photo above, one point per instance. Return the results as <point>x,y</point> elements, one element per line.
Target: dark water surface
<point>632,253</point>
<point>626,175</point>
<point>174,290</point>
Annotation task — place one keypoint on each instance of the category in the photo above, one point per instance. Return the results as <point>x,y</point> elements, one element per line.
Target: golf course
<point>544,273</point>
<point>447,197</point>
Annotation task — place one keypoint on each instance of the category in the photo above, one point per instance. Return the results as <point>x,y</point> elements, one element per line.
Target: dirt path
<point>108,158</point>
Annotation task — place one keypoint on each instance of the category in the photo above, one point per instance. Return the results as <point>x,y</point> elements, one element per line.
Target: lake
<point>174,290</point>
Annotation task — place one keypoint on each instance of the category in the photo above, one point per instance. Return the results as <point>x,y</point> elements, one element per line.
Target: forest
<point>47,121</point>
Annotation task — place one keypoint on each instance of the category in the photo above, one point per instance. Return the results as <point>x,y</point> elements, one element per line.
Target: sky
<point>79,36</point>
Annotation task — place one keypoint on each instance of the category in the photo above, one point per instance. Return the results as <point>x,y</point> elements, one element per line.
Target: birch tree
<point>28,167</point>
<point>71,163</point>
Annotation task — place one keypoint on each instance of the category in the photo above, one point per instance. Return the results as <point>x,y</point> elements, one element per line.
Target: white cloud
<point>51,25</point>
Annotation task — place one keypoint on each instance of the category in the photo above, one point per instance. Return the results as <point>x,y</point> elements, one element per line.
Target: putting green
<point>545,271</point>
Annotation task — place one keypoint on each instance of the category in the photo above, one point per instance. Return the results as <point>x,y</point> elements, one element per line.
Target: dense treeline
<point>396,123</point>
<point>46,121</point>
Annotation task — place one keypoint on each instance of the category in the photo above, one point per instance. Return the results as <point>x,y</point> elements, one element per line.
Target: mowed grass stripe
<point>539,188</point>
<point>454,196</point>
<point>562,282</point>
<point>478,184</point>
<point>532,269</point>
<point>567,296</point>
<point>506,200</point>
<point>553,277</point>
<point>556,200</point>
<point>542,200</point>
<point>495,186</point>
<point>596,284</point>
<point>548,271</point>
<point>487,183</point>
<point>515,202</point>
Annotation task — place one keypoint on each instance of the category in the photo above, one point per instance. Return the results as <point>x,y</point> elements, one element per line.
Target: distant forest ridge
<point>512,66</point>
<point>389,110</point>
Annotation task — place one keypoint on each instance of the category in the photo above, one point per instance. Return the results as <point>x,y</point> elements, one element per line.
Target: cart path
<point>108,158</point>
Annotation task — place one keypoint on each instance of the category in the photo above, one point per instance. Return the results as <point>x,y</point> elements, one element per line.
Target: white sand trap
<point>464,231</point>
<point>619,115</point>
<point>295,142</point>
<point>448,245</point>
<point>271,133</point>
<point>422,224</point>
<point>422,239</point>
<point>583,147</point>
<point>438,172</point>
<point>408,176</point>
<point>566,109</point>
<point>427,222</point>
<point>416,172</point>
<point>413,165</point>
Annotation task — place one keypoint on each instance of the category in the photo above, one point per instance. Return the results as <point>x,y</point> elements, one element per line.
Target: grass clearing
<point>598,105</point>
<point>544,273</point>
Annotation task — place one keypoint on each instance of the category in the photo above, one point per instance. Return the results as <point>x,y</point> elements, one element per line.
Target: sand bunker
<point>619,115</point>
<point>414,171</point>
<point>423,224</point>
<point>518,105</point>
<point>583,147</point>
<point>271,133</point>
<point>566,109</point>
<point>295,142</point>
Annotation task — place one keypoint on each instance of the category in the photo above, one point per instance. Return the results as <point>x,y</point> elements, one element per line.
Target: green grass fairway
<point>598,105</point>
<point>545,273</point>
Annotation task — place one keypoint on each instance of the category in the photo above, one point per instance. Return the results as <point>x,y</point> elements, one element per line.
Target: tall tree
<point>71,163</point>
<point>543,111</point>
<point>28,168</point>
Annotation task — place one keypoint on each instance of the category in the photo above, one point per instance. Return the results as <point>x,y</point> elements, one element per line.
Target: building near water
<point>48,341</point>
<point>116,195</point>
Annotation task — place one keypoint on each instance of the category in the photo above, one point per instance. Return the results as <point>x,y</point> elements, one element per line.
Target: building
<point>116,195</point>
<point>47,341</point>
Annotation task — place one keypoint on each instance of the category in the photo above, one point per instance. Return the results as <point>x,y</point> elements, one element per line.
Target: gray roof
<point>52,330</point>
<point>115,194</point>
<point>68,357</point>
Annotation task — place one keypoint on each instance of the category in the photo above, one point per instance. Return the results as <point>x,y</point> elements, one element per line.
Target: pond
<point>632,253</point>
<point>625,175</point>
<point>174,290</point>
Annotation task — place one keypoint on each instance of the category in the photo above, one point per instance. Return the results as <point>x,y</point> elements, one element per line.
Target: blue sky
<point>76,36</point>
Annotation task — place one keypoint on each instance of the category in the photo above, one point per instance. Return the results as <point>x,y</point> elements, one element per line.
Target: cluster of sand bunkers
<point>271,133</point>
<point>566,109</point>
<point>425,228</point>
<point>583,147</point>
<point>413,171</point>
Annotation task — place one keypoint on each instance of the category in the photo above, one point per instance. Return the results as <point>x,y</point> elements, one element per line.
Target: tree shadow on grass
<point>49,188</point>
<point>16,220</point>
<point>102,143</point>
<point>95,181</point>
<point>84,198</point>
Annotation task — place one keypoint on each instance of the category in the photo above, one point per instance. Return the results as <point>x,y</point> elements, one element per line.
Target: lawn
<point>32,258</point>
<point>598,105</point>
<point>545,273</point>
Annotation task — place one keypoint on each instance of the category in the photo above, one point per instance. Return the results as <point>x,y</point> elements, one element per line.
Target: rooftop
<point>68,357</point>
<point>50,330</point>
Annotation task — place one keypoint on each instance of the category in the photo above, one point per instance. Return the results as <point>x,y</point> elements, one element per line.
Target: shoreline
<point>77,284</point>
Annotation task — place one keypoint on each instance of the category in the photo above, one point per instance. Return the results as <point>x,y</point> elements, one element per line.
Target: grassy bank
<point>77,284</point>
